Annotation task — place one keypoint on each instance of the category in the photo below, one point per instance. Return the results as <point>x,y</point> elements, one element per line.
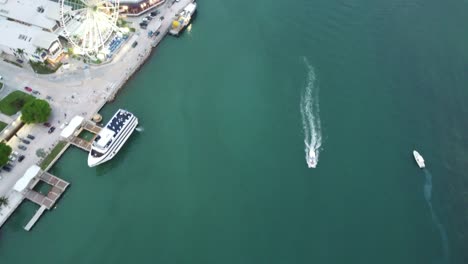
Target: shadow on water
<point>435,219</point>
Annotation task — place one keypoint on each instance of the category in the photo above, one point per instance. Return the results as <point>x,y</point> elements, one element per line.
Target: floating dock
<point>36,217</point>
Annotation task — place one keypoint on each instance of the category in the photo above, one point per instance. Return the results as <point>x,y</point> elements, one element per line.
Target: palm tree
<point>20,52</point>
<point>3,201</point>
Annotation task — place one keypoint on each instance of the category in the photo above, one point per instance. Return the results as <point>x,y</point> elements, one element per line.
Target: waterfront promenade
<point>80,90</point>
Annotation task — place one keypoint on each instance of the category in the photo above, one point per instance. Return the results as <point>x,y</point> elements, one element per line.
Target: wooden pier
<point>92,127</point>
<point>45,201</point>
<point>58,187</point>
<point>82,143</point>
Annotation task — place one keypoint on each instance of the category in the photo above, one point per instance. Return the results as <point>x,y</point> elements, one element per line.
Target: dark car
<point>6,168</point>
<point>154,13</point>
<point>30,136</point>
<point>47,124</point>
<point>134,44</point>
<point>157,33</point>
<point>21,158</point>
<point>161,18</point>
<point>36,92</point>
<point>28,89</point>
<point>51,130</point>
<point>143,25</point>
<point>25,141</point>
<point>22,147</point>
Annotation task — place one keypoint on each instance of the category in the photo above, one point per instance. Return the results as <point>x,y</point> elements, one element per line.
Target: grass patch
<point>13,102</point>
<point>3,125</point>
<point>43,68</point>
<point>55,151</point>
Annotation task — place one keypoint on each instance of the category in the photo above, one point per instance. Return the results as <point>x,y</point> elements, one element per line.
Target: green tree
<point>3,201</point>
<point>35,111</point>
<point>5,152</point>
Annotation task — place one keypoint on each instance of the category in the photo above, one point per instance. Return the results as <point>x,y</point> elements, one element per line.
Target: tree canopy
<point>5,152</point>
<point>35,111</point>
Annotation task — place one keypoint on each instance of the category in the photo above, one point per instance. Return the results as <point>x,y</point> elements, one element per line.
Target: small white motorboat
<point>312,158</point>
<point>419,159</point>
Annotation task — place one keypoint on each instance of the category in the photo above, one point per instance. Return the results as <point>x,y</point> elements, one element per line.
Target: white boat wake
<point>310,113</point>
<point>435,219</point>
<point>140,129</point>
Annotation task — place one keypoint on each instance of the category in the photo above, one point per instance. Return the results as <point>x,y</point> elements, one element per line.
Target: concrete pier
<point>36,217</point>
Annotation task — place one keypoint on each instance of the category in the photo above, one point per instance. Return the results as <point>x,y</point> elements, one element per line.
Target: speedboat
<point>419,159</point>
<point>311,158</point>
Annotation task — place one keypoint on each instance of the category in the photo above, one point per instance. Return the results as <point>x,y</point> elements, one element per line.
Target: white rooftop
<point>23,182</point>
<point>72,126</point>
<point>19,36</point>
<point>190,8</point>
<point>106,135</point>
<point>40,13</point>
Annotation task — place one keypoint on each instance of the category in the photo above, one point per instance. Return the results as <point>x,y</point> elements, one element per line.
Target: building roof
<point>24,181</point>
<point>19,36</point>
<point>40,13</point>
<point>71,128</point>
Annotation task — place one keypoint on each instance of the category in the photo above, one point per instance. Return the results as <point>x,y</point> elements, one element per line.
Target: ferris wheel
<point>88,24</point>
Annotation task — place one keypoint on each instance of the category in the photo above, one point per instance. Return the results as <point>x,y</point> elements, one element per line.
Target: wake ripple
<point>310,112</point>
<point>435,219</point>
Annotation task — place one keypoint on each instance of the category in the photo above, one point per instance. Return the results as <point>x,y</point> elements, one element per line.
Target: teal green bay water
<point>218,173</point>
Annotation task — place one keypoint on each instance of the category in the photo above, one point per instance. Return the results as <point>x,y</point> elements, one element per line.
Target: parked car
<point>28,89</point>
<point>22,147</point>
<point>12,158</point>
<point>134,44</point>
<point>154,13</point>
<point>51,130</point>
<point>161,18</point>
<point>143,25</point>
<point>25,141</point>
<point>149,17</point>
<point>47,124</point>
<point>36,92</point>
<point>7,168</point>
<point>30,136</point>
<point>157,33</point>
<point>49,98</point>
<point>15,153</point>
<point>21,158</point>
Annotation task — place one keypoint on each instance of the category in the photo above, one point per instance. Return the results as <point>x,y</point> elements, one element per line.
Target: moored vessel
<point>112,137</point>
<point>183,19</point>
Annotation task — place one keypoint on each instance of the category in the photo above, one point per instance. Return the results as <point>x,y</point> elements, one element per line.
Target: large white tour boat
<point>112,137</point>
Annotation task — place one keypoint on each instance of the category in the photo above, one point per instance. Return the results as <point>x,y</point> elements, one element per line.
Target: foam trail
<point>310,111</point>
<point>435,219</point>
<point>140,129</point>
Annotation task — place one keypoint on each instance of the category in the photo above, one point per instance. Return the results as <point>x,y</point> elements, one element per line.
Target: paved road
<point>75,91</point>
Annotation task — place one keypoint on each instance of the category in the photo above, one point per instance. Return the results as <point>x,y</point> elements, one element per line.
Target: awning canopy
<point>23,182</point>
<point>71,128</point>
